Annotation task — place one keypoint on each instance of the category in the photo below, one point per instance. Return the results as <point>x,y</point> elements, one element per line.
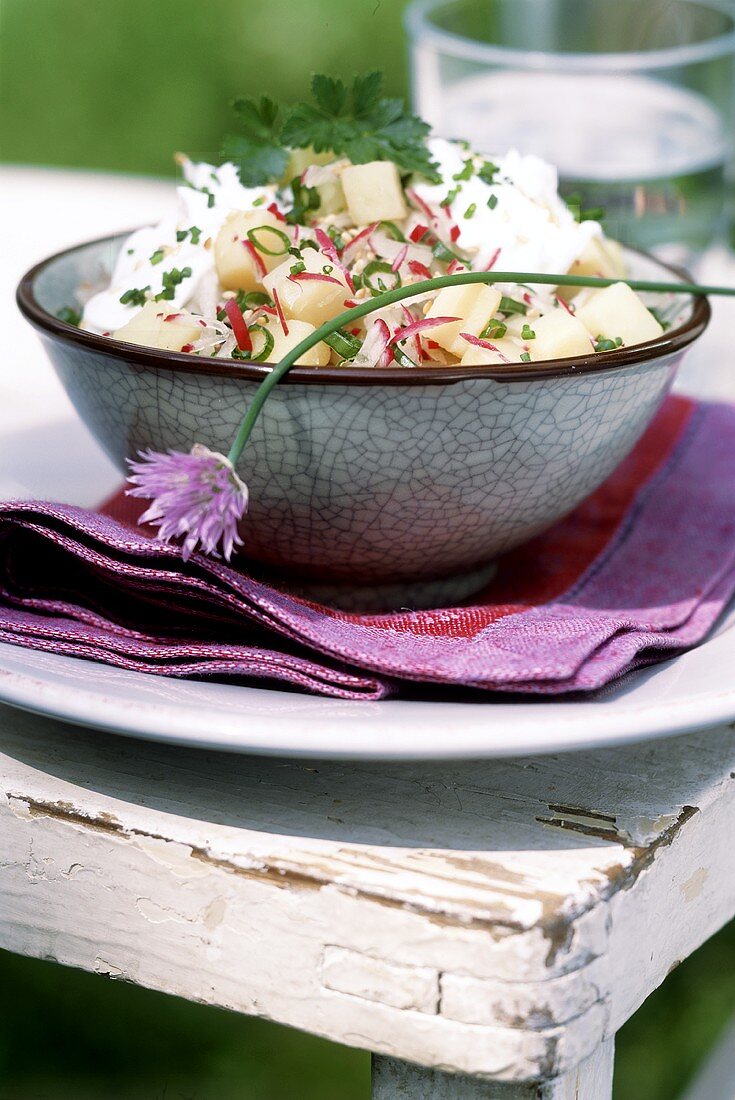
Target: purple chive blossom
<point>198,495</point>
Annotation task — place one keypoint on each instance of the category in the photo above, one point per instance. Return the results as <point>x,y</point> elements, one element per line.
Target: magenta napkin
<point>639,572</point>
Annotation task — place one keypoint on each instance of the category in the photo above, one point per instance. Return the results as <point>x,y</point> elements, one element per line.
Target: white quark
<point>526,227</point>
<point>104,312</point>
<point>530,224</point>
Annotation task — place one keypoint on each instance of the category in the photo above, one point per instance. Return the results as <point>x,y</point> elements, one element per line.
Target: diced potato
<point>558,335</point>
<point>237,267</point>
<point>318,356</point>
<point>373,192</point>
<point>601,258</point>
<point>159,326</point>
<point>331,198</point>
<point>473,303</point>
<point>507,351</point>
<point>312,300</point>
<point>301,159</point>
<point>618,311</point>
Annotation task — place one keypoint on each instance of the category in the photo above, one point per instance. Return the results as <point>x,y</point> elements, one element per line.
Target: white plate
<point>44,451</point>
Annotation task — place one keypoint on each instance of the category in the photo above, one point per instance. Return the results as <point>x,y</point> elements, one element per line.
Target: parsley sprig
<point>358,122</point>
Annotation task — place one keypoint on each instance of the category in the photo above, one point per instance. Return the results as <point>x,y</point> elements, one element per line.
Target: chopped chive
<point>171,279</point>
<point>493,330</point>
<point>156,257</point>
<point>377,268</point>
<point>511,305</point>
<point>259,201</point>
<point>134,296</point>
<point>492,202</point>
<point>525,357</point>
<point>251,299</point>
<point>70,316</point>
<point>255,238</point>
<point>470,211</point>
<point>488,171</point>
<point>344,343</point>
<point>603,344</point>
<point>466,171</point>
<point>527,333</point>
<point>297,268</point>
<point>393,230</point>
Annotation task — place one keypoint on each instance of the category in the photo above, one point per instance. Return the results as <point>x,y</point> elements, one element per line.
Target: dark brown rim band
<point>668,343</point>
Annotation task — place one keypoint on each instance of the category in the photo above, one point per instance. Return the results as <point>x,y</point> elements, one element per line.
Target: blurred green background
<point>121,86</point>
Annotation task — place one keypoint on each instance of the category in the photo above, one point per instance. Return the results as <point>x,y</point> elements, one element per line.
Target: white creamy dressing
<point>530,225</point>
<point>104,312</point>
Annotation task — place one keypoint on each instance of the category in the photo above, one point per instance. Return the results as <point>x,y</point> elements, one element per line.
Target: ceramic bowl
<point>376,476</point>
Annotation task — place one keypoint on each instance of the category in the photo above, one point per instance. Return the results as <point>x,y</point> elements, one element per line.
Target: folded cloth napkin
<point>640,571</point>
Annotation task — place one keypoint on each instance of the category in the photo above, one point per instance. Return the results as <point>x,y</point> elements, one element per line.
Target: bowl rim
<point>670,342</point>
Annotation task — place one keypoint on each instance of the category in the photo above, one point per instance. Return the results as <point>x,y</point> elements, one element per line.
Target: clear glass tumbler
<point>633,100</point>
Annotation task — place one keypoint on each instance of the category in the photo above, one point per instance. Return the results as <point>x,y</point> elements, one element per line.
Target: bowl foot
<point>399,595</point>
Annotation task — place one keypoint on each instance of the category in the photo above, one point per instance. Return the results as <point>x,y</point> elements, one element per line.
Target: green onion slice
<point>512,305</point>
<point>255,238</point>
<point>262,355</point>
<point>344,343</point>
<point>378,268</point>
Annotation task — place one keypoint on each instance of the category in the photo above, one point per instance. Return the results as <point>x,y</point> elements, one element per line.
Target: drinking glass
<point>632,100</point>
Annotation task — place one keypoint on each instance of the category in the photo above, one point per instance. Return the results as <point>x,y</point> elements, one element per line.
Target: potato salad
<point>245,272</point>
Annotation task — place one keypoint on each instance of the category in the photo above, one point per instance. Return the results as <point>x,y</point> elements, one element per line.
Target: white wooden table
<point>500,920</point>
<point>484,928</point>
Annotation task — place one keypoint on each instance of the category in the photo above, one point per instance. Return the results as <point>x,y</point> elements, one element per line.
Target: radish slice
<point>357,242</point>
<point>417,268</point>
<point>493,260</point>
<point>479,343</point>
<point>239,327</point>
<point>418,233</point>
<point>313,276</point>
<point>256,258</point>
<point>374,346</point>
<point>418,201</point>
<point>279,311</point>
<point>565,305</point>
<point>420,326</point>
<point>329,249</point>
<point>273,209</point>
<point>400,257</point>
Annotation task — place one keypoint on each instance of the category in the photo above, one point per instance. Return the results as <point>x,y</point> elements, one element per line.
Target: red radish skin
<point>239,325</point>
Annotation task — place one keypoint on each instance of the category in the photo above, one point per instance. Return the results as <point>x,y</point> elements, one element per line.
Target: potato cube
<point>157,325</point>
<point>601,258</point>
<point>312,300</point>
<point>318,356</point>
<point>331,198</point>
<point>558,335</point>
<point>240,266</point>
<point>301,159</point>
<point>373,192</point>
<point>473,303</point>
<point>618,311</point>
<point>506,350</point>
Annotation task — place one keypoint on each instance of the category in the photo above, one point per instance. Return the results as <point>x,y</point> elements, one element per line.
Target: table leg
<point>396,1080</point>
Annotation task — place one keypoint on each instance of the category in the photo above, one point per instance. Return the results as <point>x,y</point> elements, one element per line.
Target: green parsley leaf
<point>258,152</point>
<point>361,125</point>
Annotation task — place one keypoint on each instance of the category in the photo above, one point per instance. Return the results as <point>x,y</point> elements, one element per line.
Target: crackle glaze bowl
<point>382,477</point>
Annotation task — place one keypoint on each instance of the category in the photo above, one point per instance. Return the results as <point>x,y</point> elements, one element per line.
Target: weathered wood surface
<point>498,919</point>
<point>591,1080</point>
